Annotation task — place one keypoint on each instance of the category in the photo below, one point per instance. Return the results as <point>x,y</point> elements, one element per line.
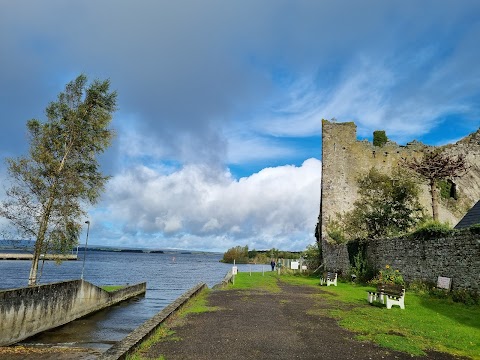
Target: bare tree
<point>435,166</point>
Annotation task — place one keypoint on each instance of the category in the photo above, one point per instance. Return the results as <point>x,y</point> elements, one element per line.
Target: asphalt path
<point>254,324</point>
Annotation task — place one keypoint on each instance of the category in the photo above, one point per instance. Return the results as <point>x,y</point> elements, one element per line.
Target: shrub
<point>468,297</point>
<point>312,256</point>
<point>465,296</point>
<point>379,138</point>
<point>420,286</point>
<point>335,230</point>
<point>475,229</point>
<point>361,268</point>
<point>431,230</point>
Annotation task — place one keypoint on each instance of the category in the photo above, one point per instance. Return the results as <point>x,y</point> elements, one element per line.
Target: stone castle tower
<point>345,159</point>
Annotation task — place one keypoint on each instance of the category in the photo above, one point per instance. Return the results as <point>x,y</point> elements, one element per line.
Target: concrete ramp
<point>27,311</point>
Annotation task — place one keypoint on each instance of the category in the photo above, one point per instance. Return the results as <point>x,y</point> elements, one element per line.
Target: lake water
<point>167,275</point>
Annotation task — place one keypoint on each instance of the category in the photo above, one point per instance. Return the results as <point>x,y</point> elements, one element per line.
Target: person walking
<point>272,264</point>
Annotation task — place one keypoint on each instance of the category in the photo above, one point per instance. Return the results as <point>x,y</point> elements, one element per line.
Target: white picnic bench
<point>328,278</point>
<point>388,294</point>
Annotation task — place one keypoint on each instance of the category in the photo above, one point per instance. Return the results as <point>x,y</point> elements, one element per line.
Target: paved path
<point>290,324</point>
<point>250,324</point>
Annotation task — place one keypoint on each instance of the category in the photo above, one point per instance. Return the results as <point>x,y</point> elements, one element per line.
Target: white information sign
<point>294,265</point>
<point>444,282</point>
<point>234,270</point>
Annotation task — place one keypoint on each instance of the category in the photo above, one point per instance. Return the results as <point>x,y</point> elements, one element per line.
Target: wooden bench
<point>328,278</point>
<point>388,294</point>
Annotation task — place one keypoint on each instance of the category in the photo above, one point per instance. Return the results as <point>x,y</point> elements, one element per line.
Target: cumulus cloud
<point>276,207</point>
<point>205,86</point>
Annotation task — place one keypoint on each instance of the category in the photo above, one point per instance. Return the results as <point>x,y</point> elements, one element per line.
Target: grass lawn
<point>426,323</point>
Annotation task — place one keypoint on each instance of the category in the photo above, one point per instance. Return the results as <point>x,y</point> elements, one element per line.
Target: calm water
<point>167,275</point>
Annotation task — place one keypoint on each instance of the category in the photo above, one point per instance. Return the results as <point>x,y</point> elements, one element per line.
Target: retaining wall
<point>456,256</point>
<point>127,345</point>
<point>27,311</point>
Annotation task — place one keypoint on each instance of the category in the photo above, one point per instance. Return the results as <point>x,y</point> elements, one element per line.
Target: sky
<point>220,102</point>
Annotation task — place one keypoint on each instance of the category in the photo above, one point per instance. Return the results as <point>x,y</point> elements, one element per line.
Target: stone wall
<point>345,159</point>
<point>27,311</point>
<point>335,257</point>
<point>456,256</point>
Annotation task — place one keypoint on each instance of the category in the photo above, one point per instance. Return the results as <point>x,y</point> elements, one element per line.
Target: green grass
<point>111,288</point>
<point>197,305</point>
<point>427,323</point>
<point>256,281</point>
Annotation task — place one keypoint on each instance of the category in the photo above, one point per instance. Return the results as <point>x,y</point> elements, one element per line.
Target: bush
<point>312,256</point>
<point>467,297</point>
<point>361,268</point>
<point>475,229</point>
<point>431,230</point>
<point>420,286</point>
<point>464,296</point>
<point>379,138</point>
<point>336,230</point>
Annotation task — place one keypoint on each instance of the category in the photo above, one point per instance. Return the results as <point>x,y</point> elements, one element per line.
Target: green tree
<point>313,256</point>
<point>387,206</point>
<point>237,253</point>
<point>51,186</point>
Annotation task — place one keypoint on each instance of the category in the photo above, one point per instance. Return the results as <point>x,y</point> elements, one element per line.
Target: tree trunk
<point>32,279</point>
<point>434,194</point>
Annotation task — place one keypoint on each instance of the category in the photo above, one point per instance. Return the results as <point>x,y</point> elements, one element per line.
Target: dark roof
<point>472,217</point>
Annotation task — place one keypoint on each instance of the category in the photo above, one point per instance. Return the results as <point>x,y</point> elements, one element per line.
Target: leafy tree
<point>237,253</point>
<point>313,256</point>
<point>435,166</point>
<point>387,206</point>
<point>51,186</point>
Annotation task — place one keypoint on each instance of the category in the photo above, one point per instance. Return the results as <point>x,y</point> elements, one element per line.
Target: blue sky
<point>220,102</point>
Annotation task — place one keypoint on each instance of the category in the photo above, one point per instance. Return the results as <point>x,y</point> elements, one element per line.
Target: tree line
<point>242,255</point>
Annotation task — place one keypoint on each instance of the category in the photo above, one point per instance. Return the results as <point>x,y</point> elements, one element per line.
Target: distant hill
<point>17,244</point>
<point>28,245</point>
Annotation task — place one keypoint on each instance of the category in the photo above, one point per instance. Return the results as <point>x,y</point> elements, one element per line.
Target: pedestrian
<point>272,264</point>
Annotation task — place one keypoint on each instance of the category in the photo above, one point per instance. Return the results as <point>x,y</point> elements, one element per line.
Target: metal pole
<point>85,249</point>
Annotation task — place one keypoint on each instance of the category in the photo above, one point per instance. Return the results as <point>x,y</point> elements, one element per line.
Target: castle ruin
<point>345,159</point>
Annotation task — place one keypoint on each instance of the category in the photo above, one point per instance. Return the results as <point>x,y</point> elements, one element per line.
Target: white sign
<point>304,267</point>
<point>444,282</point>
<point>234,270</point>
<point>294,265</point>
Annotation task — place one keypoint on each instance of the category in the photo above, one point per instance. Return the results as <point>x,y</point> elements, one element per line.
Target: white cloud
<point>276,207</point>
<point>376,93</point>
